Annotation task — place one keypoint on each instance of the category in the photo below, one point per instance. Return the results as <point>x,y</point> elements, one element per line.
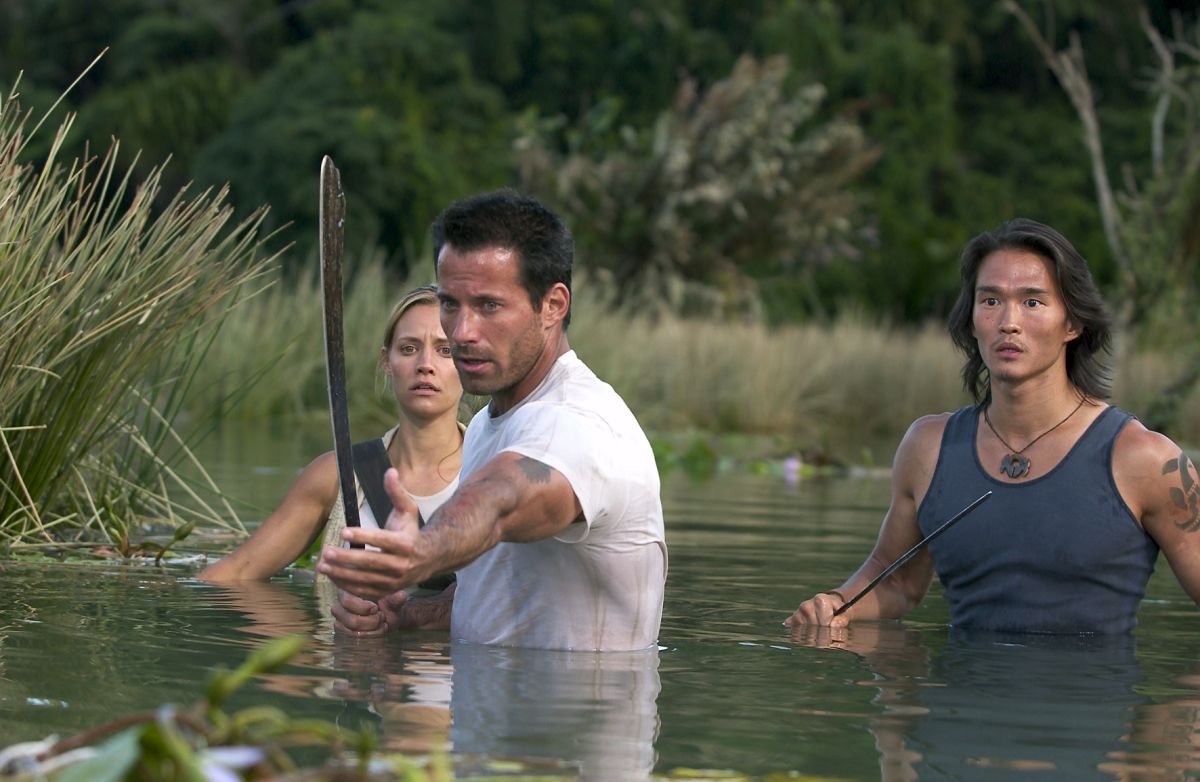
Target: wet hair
<point>426,294</point>
<point>1086,368</point>
<point>506,218</point>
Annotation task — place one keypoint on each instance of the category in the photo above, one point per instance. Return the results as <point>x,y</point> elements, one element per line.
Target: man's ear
<point>556,303</point>
<point>1073,332</point>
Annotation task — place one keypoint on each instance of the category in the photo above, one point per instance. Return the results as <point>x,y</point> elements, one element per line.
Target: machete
<point>332,216</point>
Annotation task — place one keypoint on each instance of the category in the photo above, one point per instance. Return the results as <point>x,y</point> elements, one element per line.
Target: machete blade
<point>332,217</point>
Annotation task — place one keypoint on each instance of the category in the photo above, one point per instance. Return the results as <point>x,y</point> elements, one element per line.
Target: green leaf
<point>275,653</point>
<point>114,758</point>
<point>165,738</point>
<point>183,532</point>
<point>266,658</point>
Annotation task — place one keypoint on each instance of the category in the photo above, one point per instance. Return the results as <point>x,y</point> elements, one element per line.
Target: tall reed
<point>102,299</point>
<point>809,386</point>
<point>267,357</point>
<point>806,385</point>
<point>827,386</point>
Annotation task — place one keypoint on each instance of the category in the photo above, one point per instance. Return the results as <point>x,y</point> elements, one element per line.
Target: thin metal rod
<point>912,552</point>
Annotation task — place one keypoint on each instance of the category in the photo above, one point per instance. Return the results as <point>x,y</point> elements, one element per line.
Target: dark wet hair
<point>506,218</point>
<point>1085,308</point>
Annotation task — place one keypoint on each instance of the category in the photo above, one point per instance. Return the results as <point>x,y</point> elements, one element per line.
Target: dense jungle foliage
<point>778,162</point>
<point>778,189</point>
<point>843,162</point>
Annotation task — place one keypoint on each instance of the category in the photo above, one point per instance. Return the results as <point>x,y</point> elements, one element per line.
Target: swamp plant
<point>106,284</point>
<point>819,385</point>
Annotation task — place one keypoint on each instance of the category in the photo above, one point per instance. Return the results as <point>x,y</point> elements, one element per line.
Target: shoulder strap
<point>370,463</point>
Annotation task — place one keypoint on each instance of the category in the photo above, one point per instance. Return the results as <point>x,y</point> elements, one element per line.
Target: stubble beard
<point>521,361</point>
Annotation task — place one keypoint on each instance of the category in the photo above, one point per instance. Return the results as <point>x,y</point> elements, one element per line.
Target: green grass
<point>830,387</point>
<point>107,283</point>
<point>267,359</point>
<point>807,386</point>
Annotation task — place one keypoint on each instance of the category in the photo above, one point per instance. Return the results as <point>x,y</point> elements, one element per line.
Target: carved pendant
<point>1014,465</point>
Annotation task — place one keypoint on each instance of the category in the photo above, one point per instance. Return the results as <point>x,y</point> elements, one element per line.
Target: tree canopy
<point>939,118</point>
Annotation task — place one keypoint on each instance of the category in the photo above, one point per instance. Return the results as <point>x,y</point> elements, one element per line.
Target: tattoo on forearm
<point>1185,496</point>
<point>535,471</point>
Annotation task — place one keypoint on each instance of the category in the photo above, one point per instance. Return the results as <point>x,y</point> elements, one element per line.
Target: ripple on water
<point>730,688</point>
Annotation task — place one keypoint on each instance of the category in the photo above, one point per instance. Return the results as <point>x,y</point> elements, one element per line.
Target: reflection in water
<point>992,706</point>
<point>597,710</point>
<point>399,686</point>
<point>592,712</point>
<point>1050,706</point>
<point>80,646</point>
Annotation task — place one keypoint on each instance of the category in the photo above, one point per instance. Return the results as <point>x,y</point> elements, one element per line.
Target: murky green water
<point>730,687</point>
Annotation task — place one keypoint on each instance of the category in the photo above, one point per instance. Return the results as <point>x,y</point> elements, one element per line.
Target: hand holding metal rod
<point>912,552</point>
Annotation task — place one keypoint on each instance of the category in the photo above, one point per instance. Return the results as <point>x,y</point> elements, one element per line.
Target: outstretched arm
<point>287,532</point>
<point>513,498</point>
<point>912,470</point>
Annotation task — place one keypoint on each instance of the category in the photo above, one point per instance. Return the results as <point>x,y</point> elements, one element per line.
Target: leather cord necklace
<point>1015,464</point>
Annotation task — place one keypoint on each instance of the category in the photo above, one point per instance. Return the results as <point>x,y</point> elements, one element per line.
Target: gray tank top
<point>1060,553</point>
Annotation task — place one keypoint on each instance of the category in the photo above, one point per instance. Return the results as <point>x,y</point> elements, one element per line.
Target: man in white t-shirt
<point>556,530</point>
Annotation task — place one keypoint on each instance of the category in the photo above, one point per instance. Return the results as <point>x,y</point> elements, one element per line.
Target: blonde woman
<point>425,446</point>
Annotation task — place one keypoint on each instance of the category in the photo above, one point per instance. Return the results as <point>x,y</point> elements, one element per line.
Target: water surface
<point>729,687</point>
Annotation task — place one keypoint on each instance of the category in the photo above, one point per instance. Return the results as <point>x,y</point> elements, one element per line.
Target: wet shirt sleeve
<point>580,446</point>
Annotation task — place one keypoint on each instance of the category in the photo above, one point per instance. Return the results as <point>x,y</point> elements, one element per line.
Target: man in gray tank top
<point>1084,495</point>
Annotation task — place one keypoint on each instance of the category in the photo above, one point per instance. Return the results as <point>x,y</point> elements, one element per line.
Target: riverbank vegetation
<point>812,387</point>
<point>785,162</point>
<point>104,301</point>
<point>768,198</point>
<point>945,109</point>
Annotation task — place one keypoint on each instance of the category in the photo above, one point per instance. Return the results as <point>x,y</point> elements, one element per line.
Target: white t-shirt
<point>599,585</point>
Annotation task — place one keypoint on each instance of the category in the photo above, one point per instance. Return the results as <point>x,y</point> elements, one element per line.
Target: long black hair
<point>1086,368</point>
